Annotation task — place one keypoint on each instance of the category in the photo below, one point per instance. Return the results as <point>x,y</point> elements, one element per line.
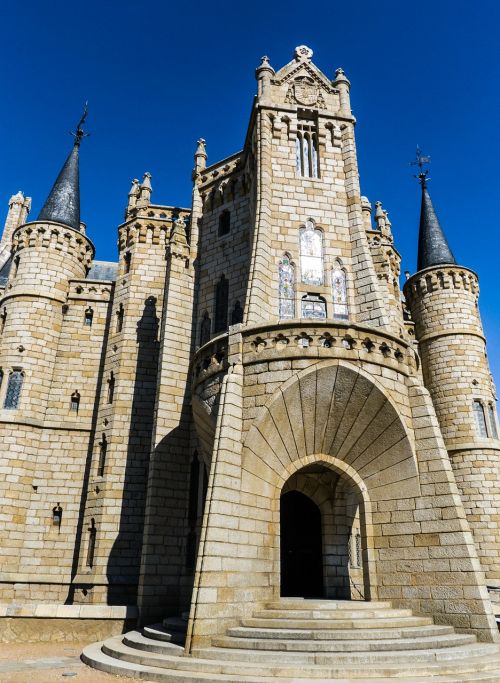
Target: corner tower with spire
<point>443,299</point>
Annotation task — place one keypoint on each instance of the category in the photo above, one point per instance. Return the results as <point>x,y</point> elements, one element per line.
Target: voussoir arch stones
<point>337,410</point>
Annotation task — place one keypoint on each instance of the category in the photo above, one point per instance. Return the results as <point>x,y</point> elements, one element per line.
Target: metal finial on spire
<point>421,160</point>
<point>79,134</point>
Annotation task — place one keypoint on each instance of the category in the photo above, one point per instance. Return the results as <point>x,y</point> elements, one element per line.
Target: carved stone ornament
<point>305,91</point>
<point>303,52</point>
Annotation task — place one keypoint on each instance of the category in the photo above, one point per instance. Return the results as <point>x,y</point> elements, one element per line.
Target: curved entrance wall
<point>418,548</point>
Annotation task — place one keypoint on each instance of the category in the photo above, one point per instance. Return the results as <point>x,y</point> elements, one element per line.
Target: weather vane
<point>79,134</point>
<point>421,160</point>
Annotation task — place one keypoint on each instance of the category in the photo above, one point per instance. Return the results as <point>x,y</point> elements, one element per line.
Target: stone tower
<point>236,412</point>
<point>443,300</point>
<point>39,453</point>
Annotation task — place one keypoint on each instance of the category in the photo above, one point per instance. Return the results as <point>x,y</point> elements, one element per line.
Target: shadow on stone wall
<point>125,556</point>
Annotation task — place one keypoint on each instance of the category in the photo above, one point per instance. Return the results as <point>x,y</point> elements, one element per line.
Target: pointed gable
<point>301,83</point>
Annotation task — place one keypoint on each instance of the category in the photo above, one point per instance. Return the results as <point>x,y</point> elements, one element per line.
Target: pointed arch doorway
<point>322,535</point>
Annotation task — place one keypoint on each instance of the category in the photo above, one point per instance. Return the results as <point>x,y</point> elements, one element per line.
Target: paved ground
<point>48,663</point>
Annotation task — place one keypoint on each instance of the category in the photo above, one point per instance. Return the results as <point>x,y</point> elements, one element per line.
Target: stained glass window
<point>339,294</point>
<point>311,255</point>
<point>286,289</point>
<point>14,388</point>
<point>313,306</point>
<point>480,418</point>
<point>493,421</point>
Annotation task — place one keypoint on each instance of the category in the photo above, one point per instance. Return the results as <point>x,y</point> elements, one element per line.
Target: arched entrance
<point>301,547</point>
<point>322,534</point>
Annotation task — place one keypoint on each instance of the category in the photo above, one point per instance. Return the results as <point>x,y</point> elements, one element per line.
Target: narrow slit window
<point>221,304</point>
<point>119,318</point>
<point>493,421</point>
<point>88,317</point>
<point>74,405</point>
<point>480,418</point>
<point>286,285</point>
<point>91,544</point>
<point>127,259</point>
<point>14,388</point>
<point>103,449</point>
<point>111,387</point>
<point>3,320</point>
<point>224,223</point>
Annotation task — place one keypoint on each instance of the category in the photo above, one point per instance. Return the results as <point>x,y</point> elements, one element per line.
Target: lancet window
<point>221,304</point>
<point>493,421</point>
<point>306,151</point>
<point>14,388</point>
<point>480,418</point>
<point>311,254</point>
<point>91,543</point>
<point>339,293</point>
<point>286,288</point>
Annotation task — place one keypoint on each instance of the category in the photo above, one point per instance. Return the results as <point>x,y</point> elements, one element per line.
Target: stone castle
<point>245,407</point>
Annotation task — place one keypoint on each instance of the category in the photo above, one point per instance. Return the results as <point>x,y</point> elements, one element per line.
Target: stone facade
<point>155,412</point>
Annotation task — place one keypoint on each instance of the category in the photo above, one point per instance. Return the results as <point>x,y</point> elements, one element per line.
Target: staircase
<point>295,640</point>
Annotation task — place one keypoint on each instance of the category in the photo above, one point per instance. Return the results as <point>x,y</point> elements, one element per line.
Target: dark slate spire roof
<point>63,203</point>
<point>433,248</point>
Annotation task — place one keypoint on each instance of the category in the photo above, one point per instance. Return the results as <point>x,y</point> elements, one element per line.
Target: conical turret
<point>433,247</point>
<point>63,203</point>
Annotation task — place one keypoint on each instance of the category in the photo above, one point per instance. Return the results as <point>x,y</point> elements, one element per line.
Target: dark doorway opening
<point>301,547</point>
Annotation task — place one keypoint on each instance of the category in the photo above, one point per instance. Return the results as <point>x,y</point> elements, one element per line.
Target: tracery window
<point>339,293</point>
<point>286,288</point>
<point>493,421</point>
<point>311,254</point>
<point>221,303</point>
<point>306,150</point>
<point>14,387</point>
<point>480,418</point>
<point>313,306</point>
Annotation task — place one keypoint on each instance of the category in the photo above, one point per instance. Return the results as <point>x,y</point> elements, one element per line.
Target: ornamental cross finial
<point>79,134</point>
<point>421,160</point>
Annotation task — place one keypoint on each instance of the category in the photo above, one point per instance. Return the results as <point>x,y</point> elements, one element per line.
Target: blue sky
<point>158,75</point>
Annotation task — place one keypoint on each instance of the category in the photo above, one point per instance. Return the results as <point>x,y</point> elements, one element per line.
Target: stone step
<point>305,603</point>
<point>321,614</point>
<point>125,661</point>
<point>339,634</point>
<point>288,645</point>
<point>157,632</point>
<point>139,641</point>
<point>402,622</point>
<point>346,658</point>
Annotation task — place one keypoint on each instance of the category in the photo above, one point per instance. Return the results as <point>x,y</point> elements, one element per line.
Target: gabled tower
<point>443,300</point>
